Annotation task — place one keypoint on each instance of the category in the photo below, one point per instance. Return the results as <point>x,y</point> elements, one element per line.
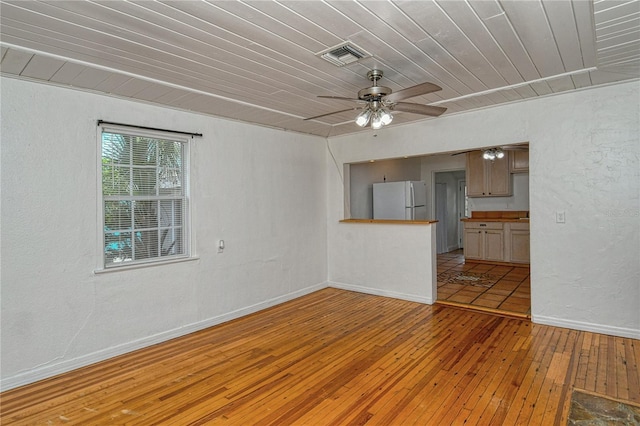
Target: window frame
<point>186,239</point>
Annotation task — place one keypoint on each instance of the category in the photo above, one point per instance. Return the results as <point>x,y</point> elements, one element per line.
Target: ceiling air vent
<point>343,54</point>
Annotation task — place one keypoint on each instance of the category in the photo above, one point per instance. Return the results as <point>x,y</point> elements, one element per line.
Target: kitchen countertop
<point>498,216</point>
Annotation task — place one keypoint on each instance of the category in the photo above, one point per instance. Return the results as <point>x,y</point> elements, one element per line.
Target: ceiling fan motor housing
<point>374,93</point>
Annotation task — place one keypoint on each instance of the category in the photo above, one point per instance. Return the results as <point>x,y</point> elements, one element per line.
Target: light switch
<point>560,217</point>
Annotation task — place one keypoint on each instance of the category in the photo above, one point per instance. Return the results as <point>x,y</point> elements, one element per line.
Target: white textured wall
<point>262,190</point>
<point>584,160</point>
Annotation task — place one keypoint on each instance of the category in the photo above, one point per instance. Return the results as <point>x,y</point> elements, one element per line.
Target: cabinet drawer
<point>520,226</point>
<point>483,225</point>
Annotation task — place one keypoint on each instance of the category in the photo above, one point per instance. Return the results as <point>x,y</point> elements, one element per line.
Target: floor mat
<point>594,410</point>
<point>466,278</point>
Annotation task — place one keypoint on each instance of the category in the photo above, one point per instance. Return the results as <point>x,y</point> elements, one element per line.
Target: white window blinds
<point>144,197</point>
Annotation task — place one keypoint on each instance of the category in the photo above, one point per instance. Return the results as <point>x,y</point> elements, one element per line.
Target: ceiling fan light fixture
<point>493,153</point>
<point>378,116</point>
<point>363,118</point>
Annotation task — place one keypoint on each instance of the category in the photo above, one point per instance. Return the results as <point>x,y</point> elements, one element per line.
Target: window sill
<point>144,265</point>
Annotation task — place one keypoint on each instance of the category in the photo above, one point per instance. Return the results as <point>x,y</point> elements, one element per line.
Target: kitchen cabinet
<point>486,178</point>
<point>518,242</point>
<point>497,241</point>
<point>519,161</point>
<point>484,241</point>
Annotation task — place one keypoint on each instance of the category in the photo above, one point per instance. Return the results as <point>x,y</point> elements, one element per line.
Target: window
<point>144,197</point>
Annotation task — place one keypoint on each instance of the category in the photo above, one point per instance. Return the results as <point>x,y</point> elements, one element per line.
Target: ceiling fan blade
<point>419,108</point>
<point>331,113</point>
<point>340,98</point>
<point>410,92</point>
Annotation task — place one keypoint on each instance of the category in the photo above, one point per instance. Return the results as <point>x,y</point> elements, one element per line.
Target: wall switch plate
<point>560,217</point>
<point>220,246</point>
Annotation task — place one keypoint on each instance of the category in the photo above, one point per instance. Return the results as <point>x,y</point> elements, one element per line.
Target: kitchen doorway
<point>501,288</point>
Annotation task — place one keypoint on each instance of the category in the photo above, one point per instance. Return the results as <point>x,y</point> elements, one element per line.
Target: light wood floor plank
<point>632,364</point>
<point>342,358</point>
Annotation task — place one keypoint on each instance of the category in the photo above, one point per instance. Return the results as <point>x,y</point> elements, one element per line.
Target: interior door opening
<point>448,209</point>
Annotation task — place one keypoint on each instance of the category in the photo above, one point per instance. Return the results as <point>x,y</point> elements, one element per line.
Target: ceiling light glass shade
<point>385,116</point>
<point>499,153</point>
<point>363,118</point>
<point>376,121</point>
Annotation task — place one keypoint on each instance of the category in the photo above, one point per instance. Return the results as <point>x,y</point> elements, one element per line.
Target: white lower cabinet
<point>484,241</point>
<point>497,241</point>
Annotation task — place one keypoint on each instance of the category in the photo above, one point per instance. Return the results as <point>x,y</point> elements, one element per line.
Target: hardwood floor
<point>506,289</point>
<point>342,358</point>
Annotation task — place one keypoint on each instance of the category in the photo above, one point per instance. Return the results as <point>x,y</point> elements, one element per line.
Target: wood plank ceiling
<point>259,61</point>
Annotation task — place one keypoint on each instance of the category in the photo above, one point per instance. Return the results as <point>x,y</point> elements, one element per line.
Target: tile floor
<point>497,287</point>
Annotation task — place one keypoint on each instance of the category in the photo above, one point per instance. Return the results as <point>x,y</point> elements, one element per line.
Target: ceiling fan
<point>379,101</point>
<point>491,153</point>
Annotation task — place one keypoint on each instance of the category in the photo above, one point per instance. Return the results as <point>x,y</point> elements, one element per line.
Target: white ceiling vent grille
<point>343,54</point>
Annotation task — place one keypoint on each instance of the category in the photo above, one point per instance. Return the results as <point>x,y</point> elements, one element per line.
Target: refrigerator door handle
<point>413,201</point>
<point>413,195</point>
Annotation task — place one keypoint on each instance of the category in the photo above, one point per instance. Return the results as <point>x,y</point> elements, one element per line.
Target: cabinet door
<point>499,177</point>
<point>473,242</point>
<point>494,245</point>
<point>519,161</point>
<point>519,246</point>
<point>475,176</point>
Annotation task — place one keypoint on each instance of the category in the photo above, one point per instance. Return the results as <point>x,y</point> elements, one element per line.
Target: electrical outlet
<point>560,218</point>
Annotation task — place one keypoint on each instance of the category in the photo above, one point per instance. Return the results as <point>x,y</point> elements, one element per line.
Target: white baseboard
<point>379,292</point>
<point>82,361</point>
<point>586,326</point>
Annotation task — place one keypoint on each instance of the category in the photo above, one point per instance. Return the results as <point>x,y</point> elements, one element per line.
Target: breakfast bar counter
<point>390,221</point>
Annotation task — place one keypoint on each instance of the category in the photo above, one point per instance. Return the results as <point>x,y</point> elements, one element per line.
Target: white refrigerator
<point>400,200</point>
